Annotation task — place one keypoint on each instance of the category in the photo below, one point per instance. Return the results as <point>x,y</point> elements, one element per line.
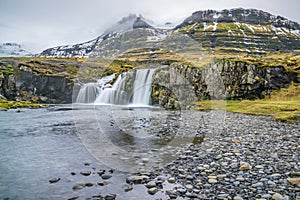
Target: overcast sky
<point>40,24</point>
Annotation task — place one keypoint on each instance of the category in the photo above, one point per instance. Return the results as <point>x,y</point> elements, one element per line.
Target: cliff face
<point>178,82</point>
<point>23,83</point>
<point>220,80</point>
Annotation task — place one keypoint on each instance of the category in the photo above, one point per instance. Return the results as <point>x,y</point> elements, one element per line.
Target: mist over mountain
<point>13,49</point>
<point>231,31</point>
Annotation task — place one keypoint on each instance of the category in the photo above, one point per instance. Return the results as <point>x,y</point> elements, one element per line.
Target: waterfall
<point>115,94</point>
<point>89,91</point>
<point>142,87</point>
<point>122,92</point>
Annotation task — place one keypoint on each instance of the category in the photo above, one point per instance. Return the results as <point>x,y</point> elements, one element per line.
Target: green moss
<point>8,70</point>
<point>19,104</point>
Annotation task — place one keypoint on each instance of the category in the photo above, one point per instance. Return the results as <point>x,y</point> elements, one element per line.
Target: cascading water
<point>89,91</point>
<point>115,94</point>
<point>142,87</point>
<point>121,94</point>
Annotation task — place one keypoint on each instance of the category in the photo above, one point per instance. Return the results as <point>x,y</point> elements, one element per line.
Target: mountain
<point>238,30</point>
<point>242,30</point>
<point>10,49</point>
<point>131,28</point>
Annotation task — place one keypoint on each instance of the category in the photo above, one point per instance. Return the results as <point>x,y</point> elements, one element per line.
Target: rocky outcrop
<point>27,84</point>
<point>222,79</point>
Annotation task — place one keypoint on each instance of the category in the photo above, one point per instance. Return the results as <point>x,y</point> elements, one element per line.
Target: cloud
<point>47,23</point>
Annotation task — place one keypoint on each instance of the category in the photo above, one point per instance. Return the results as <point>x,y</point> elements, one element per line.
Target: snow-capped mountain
<point>231,31</point>
<point>10,49</point>
<point>112,38</point>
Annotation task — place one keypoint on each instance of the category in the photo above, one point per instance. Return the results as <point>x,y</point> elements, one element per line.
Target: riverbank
<point>241,157</point>
<point>6,104</point>
<point>283,105</point>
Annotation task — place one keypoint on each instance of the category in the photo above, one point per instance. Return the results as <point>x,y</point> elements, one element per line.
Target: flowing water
<point>37,145</point>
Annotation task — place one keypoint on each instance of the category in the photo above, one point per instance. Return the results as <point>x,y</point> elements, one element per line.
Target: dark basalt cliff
<point>25,83</point>
<point>223,79</point>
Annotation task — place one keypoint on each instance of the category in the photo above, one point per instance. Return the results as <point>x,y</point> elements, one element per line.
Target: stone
<point>78,186</point>
<point>89,184</point>
<point>86,173</point>
<point>110,196</point>
<point>277,196</point>
<point>294,181</point>
<point>244,166</point>
<point>171,180</point>
<point>106,176</point>
<point>212,181</point>
<point>266,196</point>
<point>172,194</point>
<point>212,177</point>
<point>151,184</point>
<point>102,183</point>
<point>189,177</point>
<point>54,180</point>
<point>259,184</point>
<point>181,190</point>
<point>237,198</point>
<point>145,160</point>
<point>127,188</point>
<point>152,190</point>
<point>189,187</point>
<point>137,179</point>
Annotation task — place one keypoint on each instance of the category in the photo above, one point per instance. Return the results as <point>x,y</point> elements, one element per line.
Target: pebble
<point>78,186</point>
<point>237,198</point>
<point>106,176</point>
<point>259,184</point>
<point>244,166</point>
<point>54,180</point>
<point>137,179</point>
<point>151,184</point>
<point>212,181</point>
<point>277,196</point>
<point>127,188</point>
<point>152,190</point>
<point>86,173</point>
<point>110,196</point>
<point>171,180</point>
<point>102,183</point>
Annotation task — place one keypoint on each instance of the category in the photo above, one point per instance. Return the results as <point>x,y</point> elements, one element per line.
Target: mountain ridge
<point>236,30</point>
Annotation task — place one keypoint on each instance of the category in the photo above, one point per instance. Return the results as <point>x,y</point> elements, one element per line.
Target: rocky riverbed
<point>241,157</point>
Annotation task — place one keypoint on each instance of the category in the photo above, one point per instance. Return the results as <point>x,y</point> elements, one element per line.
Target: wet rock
<point>151,184</point>
<point>152,190</point>
<point>171,180</point>
<point>89,184</point>
<point>102,183</point>
<point>137,179</point>
<point>54,180</point>
<point>86,173</point>
<point>106,176</point>
<point>172,194</point>
<point>127,187</point>
<point>110,196</point>
<point>73,173</point>
<point>78,186</point>
<point>189,187</point>
<point>181,190</point>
